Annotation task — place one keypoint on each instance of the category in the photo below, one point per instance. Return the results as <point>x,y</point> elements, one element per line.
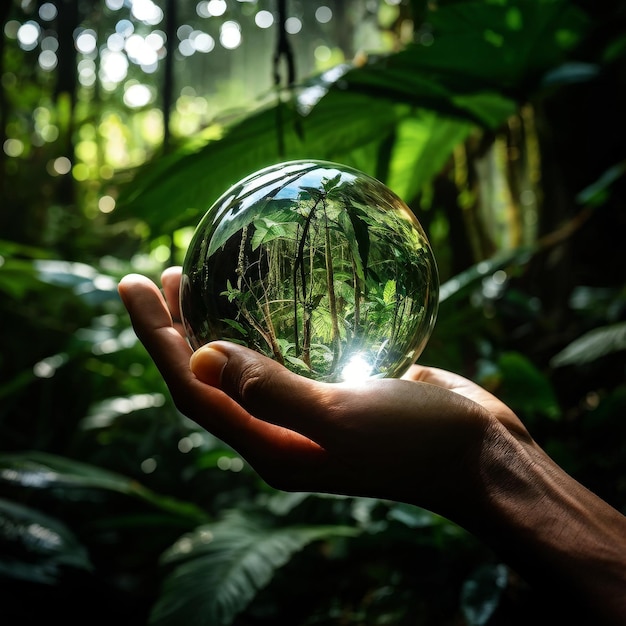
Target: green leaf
<point>299,362</point>
<point>218,569</point>
<point>236,325</point>
<point>358,238</point>
<point>413,516</point>
<point>593,345</point>
<point>338,116</point>
<point>389,292</point>
<point>330,184</point>
<point>481,593</point>
<point>525,388</point>
<point>499,58</point>
<point>20,250</point>
<point>264,232</point>
<point>422,146</point>
<point>69,480</point>
<point>35,547</point>
<point>596,193</point>
<point>234,210</point>
<point>18,278</point>
<point>458,286</point>
<point>184,185</point>
<point>85,280</point>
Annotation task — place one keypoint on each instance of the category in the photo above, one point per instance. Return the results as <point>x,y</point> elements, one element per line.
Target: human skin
<point>432,439</point>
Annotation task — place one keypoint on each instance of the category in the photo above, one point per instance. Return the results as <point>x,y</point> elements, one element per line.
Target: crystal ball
<point>316,265</point>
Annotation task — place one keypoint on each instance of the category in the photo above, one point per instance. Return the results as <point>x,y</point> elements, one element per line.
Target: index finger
<point>170,279</point>
<point>153,325</point>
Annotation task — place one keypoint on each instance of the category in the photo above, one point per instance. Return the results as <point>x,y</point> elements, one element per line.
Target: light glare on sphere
<point>316,265</point>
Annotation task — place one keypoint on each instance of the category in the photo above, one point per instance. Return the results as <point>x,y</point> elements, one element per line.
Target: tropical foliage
<point>499,122</point>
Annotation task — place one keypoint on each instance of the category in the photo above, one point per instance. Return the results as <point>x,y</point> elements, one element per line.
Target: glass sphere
<point>316,265</point>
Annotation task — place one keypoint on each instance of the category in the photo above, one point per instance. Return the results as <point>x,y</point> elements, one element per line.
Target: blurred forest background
<point>501,123</point>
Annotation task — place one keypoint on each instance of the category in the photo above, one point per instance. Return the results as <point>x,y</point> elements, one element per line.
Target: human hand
<point>420,439</point>
<point>432,438</point>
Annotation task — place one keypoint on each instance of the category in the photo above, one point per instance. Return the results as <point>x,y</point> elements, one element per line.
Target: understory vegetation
<point>500,123</point>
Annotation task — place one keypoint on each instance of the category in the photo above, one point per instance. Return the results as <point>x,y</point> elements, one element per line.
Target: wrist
<point>549,527</point>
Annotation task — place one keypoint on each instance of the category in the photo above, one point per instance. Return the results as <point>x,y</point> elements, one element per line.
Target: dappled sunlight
<point>496,124</point>
<point>120,54</point>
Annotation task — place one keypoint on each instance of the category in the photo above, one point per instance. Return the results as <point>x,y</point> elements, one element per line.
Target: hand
<point>417,440</point>
<point>433,439</point>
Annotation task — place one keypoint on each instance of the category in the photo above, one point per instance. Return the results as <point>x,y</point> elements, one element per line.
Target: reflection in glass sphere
<point>316,265</point>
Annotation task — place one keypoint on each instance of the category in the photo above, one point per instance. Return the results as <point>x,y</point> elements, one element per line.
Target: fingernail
<point>207,364</point>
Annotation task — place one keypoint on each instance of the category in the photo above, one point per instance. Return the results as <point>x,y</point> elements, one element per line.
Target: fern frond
<point>219,568</point>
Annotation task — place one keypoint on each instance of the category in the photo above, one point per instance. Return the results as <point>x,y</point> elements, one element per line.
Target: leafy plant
<point>501,124</point>
<point>215,571</point>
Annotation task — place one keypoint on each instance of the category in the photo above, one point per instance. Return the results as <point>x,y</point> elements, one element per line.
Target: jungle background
<point>502,125</point>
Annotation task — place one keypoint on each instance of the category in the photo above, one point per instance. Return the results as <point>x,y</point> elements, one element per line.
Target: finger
<point>328,413</point>
<point>170,279</point>
<point>370,437</point>
<point>373,436</point>
<point>152,322</point>
<point>153,325</point>
<point>470,390</point>
<point>264,387</point>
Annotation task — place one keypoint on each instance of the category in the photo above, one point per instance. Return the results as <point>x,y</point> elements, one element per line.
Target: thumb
<point>263,387</point>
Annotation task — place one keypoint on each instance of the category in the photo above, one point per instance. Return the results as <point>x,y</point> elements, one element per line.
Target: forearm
<point>561,537</point>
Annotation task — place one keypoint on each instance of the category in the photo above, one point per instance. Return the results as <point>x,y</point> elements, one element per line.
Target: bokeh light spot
<point>62,165</point>
<point>148,466</point>
<point>216,7</point>
<point>113,66</point>
<point>48,60</point>
<point>13,147</point>
<point>146,11</point>
<point>263,19</point>
<point>86,41</point>
<point>106,204</point>
<point>124,28</point>
<point>47,11</point>
<point>186,48</point>
<point>322,53</point>
<point>323,14</point>
<point>230,35</point>
<point>293,25</point>
<point>185,445</point>
<point>80,172</point>
<point>11,29</point>
<point>28,35</point>
<point>137,95</point>
<point>161,253</point>
<point>114,5</point>
<point>50,43</point>
<point>202,42</point>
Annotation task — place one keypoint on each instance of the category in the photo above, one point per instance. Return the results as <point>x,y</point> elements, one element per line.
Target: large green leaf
<point>219,568</point>
<point>67,480</point>
<point>480,57</point>
<point>423,143</point>
<point>177,189</point>
<point>592,345</point>
<point>35,547</point>
<point>458,287</point>
<point>483,57</point>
